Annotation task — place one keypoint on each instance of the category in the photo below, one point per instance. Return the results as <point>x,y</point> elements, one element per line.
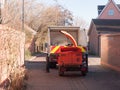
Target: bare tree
<point>80,22</point>
<point>11,13</point>
<point>52,16</point>
<point>37,15</point>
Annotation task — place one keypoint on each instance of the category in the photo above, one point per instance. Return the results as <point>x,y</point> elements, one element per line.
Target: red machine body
<point>72,59</point>
<point>69,58</point>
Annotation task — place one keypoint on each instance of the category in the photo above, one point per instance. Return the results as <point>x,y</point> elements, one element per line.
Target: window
<point>111,12</point>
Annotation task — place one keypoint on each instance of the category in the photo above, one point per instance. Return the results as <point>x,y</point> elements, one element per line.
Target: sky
<point>85,9</point>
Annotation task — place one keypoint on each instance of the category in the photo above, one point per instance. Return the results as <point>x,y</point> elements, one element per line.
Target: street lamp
<point>23,25</point>
<point>0,11</point>
<point>23,15</point>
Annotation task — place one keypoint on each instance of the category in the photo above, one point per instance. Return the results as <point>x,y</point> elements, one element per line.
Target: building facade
<point>107,22</point>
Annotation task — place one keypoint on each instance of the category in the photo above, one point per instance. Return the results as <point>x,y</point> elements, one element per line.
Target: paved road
<point>98,78</point>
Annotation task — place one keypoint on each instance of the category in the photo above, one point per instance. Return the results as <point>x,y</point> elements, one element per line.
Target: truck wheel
<point>52,64</point>
<point>61,72</point>
<point>87,61</point>
<point>83,73</point>
<point>47,64</point>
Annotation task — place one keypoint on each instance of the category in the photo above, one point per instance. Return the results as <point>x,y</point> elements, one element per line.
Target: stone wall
<point>110,51</point>
<point>11,51</point>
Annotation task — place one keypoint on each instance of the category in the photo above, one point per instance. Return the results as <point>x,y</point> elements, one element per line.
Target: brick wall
<point>93,41</point>
<point>110,51</point>
<point>11,51</point>
<point>105,15</point>
<point>30,45</point>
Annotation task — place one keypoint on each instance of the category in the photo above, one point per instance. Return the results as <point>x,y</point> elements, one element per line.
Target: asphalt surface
<point>98,77</point>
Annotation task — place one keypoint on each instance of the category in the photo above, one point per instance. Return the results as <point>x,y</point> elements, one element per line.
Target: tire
<point>87,61</point>
<point>83,73</point>
<point>61,73</point>
<point>52,64</point>
<point>47,64</point>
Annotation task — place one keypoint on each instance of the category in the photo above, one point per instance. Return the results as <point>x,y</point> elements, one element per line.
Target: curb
<point>30,58</point>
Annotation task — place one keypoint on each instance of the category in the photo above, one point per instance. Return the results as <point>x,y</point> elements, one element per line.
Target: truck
<point>64,42</point>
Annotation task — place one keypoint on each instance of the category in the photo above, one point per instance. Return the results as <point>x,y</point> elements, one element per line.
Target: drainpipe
<point>99,44</point>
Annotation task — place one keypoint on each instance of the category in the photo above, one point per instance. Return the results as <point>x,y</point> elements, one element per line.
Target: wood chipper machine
<point>68,58</point>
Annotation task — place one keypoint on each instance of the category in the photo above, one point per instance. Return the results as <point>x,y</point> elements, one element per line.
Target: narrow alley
<point>98,77</point>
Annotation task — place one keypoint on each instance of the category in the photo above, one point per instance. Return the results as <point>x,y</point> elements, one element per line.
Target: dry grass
<point>17,80</point>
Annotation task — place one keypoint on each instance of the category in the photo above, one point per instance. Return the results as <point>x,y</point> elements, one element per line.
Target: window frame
<point>111,12</point>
